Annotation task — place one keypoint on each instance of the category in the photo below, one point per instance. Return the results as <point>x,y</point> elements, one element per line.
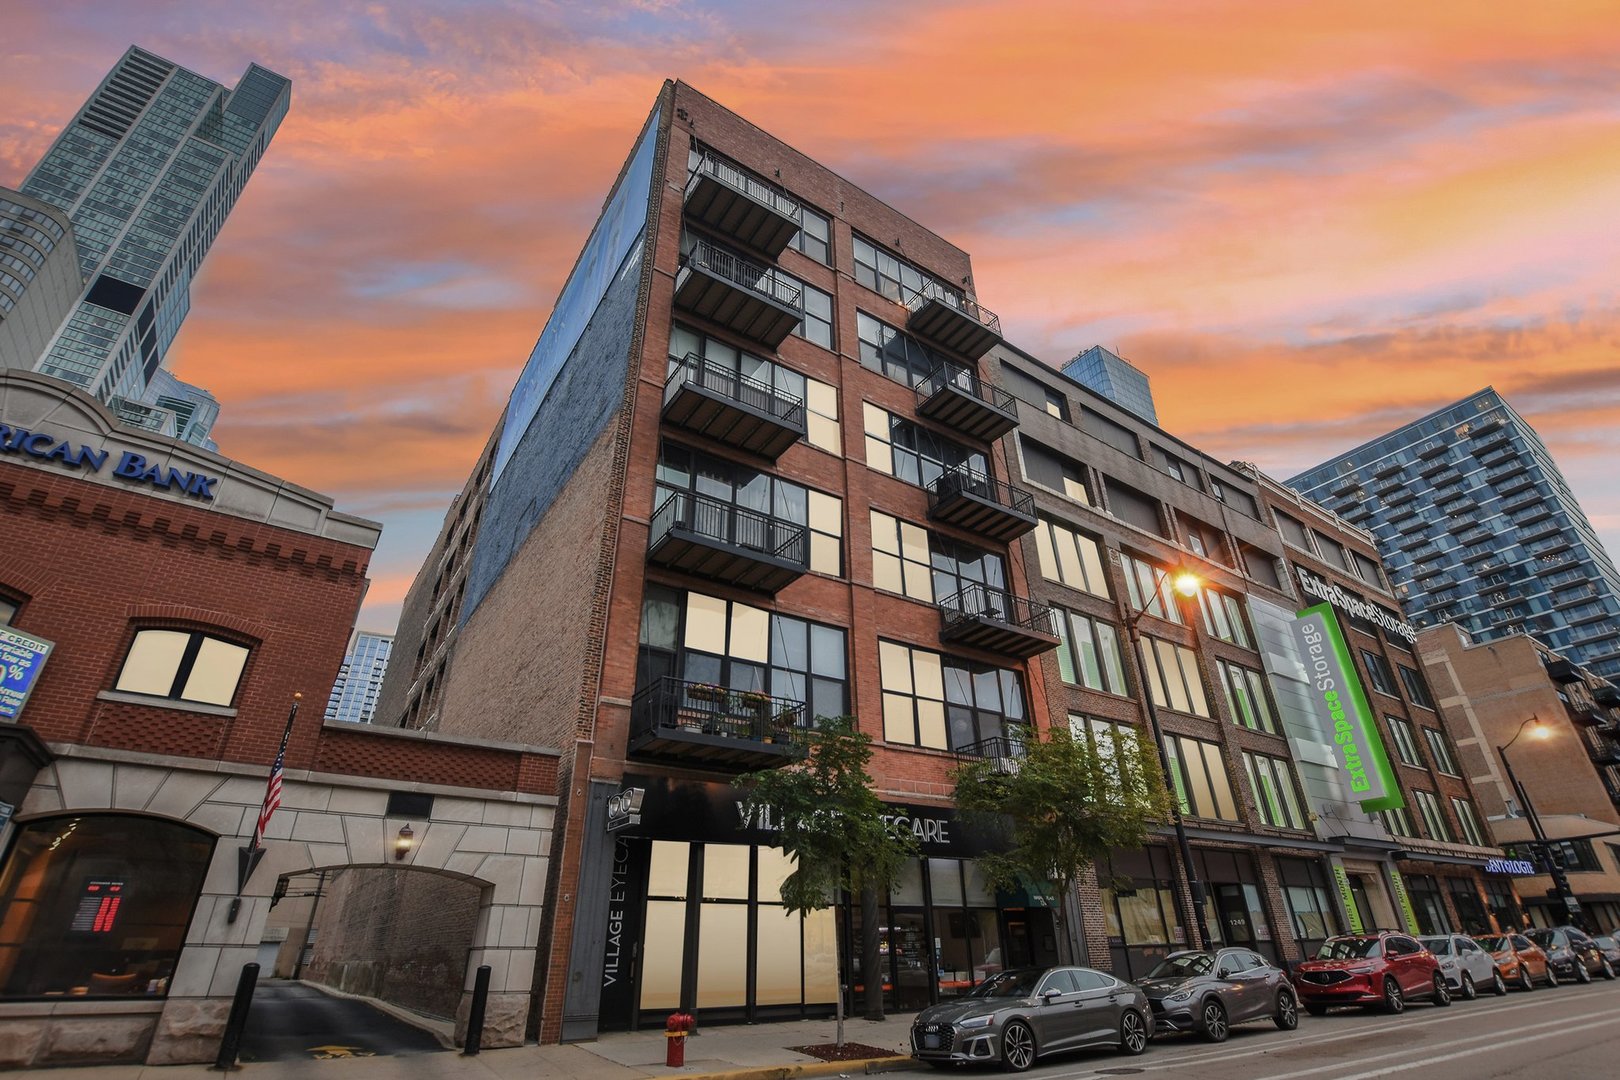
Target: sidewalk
<point>740,1052</point>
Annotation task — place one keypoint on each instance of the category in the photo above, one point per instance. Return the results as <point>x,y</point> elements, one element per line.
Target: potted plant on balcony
<point>755,706</point>
<point>704,691</point>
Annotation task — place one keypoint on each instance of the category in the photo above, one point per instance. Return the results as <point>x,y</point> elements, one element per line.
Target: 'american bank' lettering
<point>131,466</point>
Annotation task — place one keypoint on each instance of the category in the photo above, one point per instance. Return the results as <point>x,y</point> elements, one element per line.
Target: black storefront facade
<point>694,919</point>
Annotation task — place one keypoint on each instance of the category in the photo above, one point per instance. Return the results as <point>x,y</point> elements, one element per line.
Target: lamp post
<point>1555,865</point>
<point>1187,584</point>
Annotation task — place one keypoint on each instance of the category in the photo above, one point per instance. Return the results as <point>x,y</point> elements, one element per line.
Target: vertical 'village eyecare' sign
<point>1342,710</point>
<point>22,657</point>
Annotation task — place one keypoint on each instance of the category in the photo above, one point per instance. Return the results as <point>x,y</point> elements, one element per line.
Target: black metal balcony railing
<point>968,498</point>
<point>730,407</point>
<point>996,620</point>
<point>719,285</point>
<point>956,396</point>
<point>744,274</point>
<point>681,720</point>
<point>734,176</point>
<point>722,541</point>
<point>742,205</point>
<point>952,318</point>
<point>1007,752</point>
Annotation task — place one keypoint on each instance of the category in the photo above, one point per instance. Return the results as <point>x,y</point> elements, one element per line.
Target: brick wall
<point>400,936</point>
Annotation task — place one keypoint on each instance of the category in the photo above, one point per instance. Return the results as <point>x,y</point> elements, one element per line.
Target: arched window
<point>97,905</point>
<point>183,665</point>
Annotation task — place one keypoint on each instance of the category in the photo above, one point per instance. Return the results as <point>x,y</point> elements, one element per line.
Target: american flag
<point>272,789</point>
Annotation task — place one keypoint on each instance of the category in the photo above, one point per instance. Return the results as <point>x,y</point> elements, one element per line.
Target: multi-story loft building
<point>359,680</point>
<point>1478,527</point>
<point>1116,379</point>
<point>1492,693</point>
<point>39,276</point>
<point>1282,850</point>
<point>758,470</point>
<point>147,170</point>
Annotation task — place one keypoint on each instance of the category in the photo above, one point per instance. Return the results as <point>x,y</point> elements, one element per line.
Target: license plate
<point>931,1042</point>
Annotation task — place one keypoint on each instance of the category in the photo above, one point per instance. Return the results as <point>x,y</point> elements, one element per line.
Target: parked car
<point>1208,992</point>
<point>1519,960</point>
<point>1466,966</point>
<point>1382,968</point>
<point>1609,946</point>
<point>1019,1015</point>
<point>1571,953</point>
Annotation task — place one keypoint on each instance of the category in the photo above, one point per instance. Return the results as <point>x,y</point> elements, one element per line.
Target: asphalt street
<point>1569,1032</point>
<point>292,1022</point>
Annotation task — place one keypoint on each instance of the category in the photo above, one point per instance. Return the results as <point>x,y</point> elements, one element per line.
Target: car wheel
<point>1498,984</point>
<point>1212,1020</point>
<point>1552,976</point>
<point>1608,970</point>
<point>1469,990</point>
<point>1525,981</point>
<point>1133,1033</point>
<point>1316,1010</point>
<point>1394,1000</point>
<point>1017,1046</point>
<point>1581,974</point>
<point>1287,1017</point>
<point>1442,995</point>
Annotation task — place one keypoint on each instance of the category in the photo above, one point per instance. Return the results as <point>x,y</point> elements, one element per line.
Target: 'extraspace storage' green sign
<point>1341,707</point>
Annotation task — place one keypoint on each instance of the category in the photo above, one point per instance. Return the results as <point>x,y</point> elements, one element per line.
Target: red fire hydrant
<point>676,1029</point>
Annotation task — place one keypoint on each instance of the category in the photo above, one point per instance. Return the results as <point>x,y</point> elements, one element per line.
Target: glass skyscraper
<point>1477,526</point>
<point>1116,379</point>
<point>354,695</point>
<point>147,171</point>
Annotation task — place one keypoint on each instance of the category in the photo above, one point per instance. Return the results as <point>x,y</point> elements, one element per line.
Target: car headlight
<point>1362,969</point>
<point>975,1021</point>
<point>1179,995</point>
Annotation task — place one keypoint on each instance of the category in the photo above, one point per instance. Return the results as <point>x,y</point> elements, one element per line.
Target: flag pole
<point>249,854</point>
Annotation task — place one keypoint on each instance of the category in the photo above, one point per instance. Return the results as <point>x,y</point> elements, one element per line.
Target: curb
<point>863,1066</point>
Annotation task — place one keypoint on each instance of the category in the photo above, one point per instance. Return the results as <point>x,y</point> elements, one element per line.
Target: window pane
<point>1048,556</point>
<point>820,957</point>
<point>750,632</point>
<point>666,876</point>
<point>930,678</point>
<point>826,514</point>
<point>725,872</point>
<point>153,660</point>
<point>1170,665</point>
<point>1091,556</point>
<point>1108,647</point>
<point>894,665</point>
<point>216,672</point>
<point>705,623</point>
<point>722,966</point>
<point>945,879</point>
<point>899,725</point>
<point>1203,798</point>
<point>826,557</point>
<point>1195,683</point>
<point>931,724</point>
<point>1065,652</point>
<point>1220,783</point>
<point>776,941</point>
<point>774,867</point>
<point>827,651</point>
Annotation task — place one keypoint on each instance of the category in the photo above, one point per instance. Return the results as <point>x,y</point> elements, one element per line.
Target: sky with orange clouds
<point>1308,222</point>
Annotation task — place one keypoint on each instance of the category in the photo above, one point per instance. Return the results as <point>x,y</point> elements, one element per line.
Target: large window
<point>1223,617</point>
<point>1088,653</point>
<point>1378,673</point>
<point>1054,471</point>
<point>814,237</point>
<point>1417,691</point>
<point>1070,557</point>
<point>821,416</point>
<point>97,905</point>
<point>819,398</point>
<point>683,469</point>
<point>704,639</point>
<point>884,273</point>
<point>183,665</point>
<point>1441,748</point>
<point>1434,820</point>
<point>906,559</point>
<point>893,352</point>
<point>1398,822</point>
<point>1274,791</point>
<point>1198,775</point>
<point>817,325</point>
<point>1172,677</point>
<point>945,702</point>
<point>1310,907</point>
<point>1468,818</point>
<point>1149,588</point>
<point>914,454</point>
<point>1246,696</point>
<point>1400,732</point>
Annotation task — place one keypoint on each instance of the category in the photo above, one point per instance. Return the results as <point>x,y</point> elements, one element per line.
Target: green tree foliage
<point>829,820</point>
<point>1063,805</point>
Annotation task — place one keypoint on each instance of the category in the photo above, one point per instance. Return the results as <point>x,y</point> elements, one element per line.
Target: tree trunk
<point>872,964</point>
<point>1066,950</point>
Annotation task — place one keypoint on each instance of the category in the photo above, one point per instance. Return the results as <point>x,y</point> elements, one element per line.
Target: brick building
<point>179,601</point>
<point>1488,693</point>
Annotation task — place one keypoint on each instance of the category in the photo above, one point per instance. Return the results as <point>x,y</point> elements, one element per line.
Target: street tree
<point>831,823</point>
<point>1059,805</point>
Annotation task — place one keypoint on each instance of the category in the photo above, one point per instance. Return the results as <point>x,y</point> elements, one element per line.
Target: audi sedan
<point>1467,967</point>
<point>1209,992</point>
<point>1017,1016</point>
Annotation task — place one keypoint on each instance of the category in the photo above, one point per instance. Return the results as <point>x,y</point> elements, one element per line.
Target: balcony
<point>1387,467</point>
<point>1562,671</point>
<point>1587,715</point>
<point>958,398</point>
<point>1007,752</point>
<point>1494,440</point>
<point>741,206</point>
<point>981,504</point>
<point>723,287</point>
<point>1607,696</point>
<point>1513,465</point>
<point>996,621</point>
<point>953,320</point>
<point>1434,465</point>
<point>1539,530</point>
<point>1515,484</point>
<point>1346,484</point>
<point>1404,495</point>
<point>1528,499</point>
<point>720,541</point>
<point>714,401</point>
<point>709,726</point>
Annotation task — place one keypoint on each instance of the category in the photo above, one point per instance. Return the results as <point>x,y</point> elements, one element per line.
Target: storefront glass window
<point>1427,905</point>
<point>97,905</point>
<point>1470,912</point>
<point>945,879</point>
<point>722,963</point>
<point>1310,908</point>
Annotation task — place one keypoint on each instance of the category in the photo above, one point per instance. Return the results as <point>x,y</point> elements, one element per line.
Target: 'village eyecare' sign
<point>22,658</point>
<point>130,466</point>
<point>1355,606</point>
<point>1341,708</point>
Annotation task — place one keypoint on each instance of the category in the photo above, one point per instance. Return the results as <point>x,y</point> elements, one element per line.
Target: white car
<point>1467,967</point>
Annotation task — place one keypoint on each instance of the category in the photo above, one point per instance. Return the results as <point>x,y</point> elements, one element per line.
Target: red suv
<point>1380,968</point>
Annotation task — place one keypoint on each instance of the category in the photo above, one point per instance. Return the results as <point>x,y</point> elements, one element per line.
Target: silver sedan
<point>1016,1016</point>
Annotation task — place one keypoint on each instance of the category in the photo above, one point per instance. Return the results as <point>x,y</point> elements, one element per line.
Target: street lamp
<point>1555,865</point>
<point>1185,583</point>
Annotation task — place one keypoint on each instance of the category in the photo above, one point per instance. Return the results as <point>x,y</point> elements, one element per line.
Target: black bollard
<point>231,1044</point>
<point>475,1013</point>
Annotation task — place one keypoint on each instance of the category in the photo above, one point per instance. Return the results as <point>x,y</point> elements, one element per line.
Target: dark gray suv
<point>1209,992</point>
